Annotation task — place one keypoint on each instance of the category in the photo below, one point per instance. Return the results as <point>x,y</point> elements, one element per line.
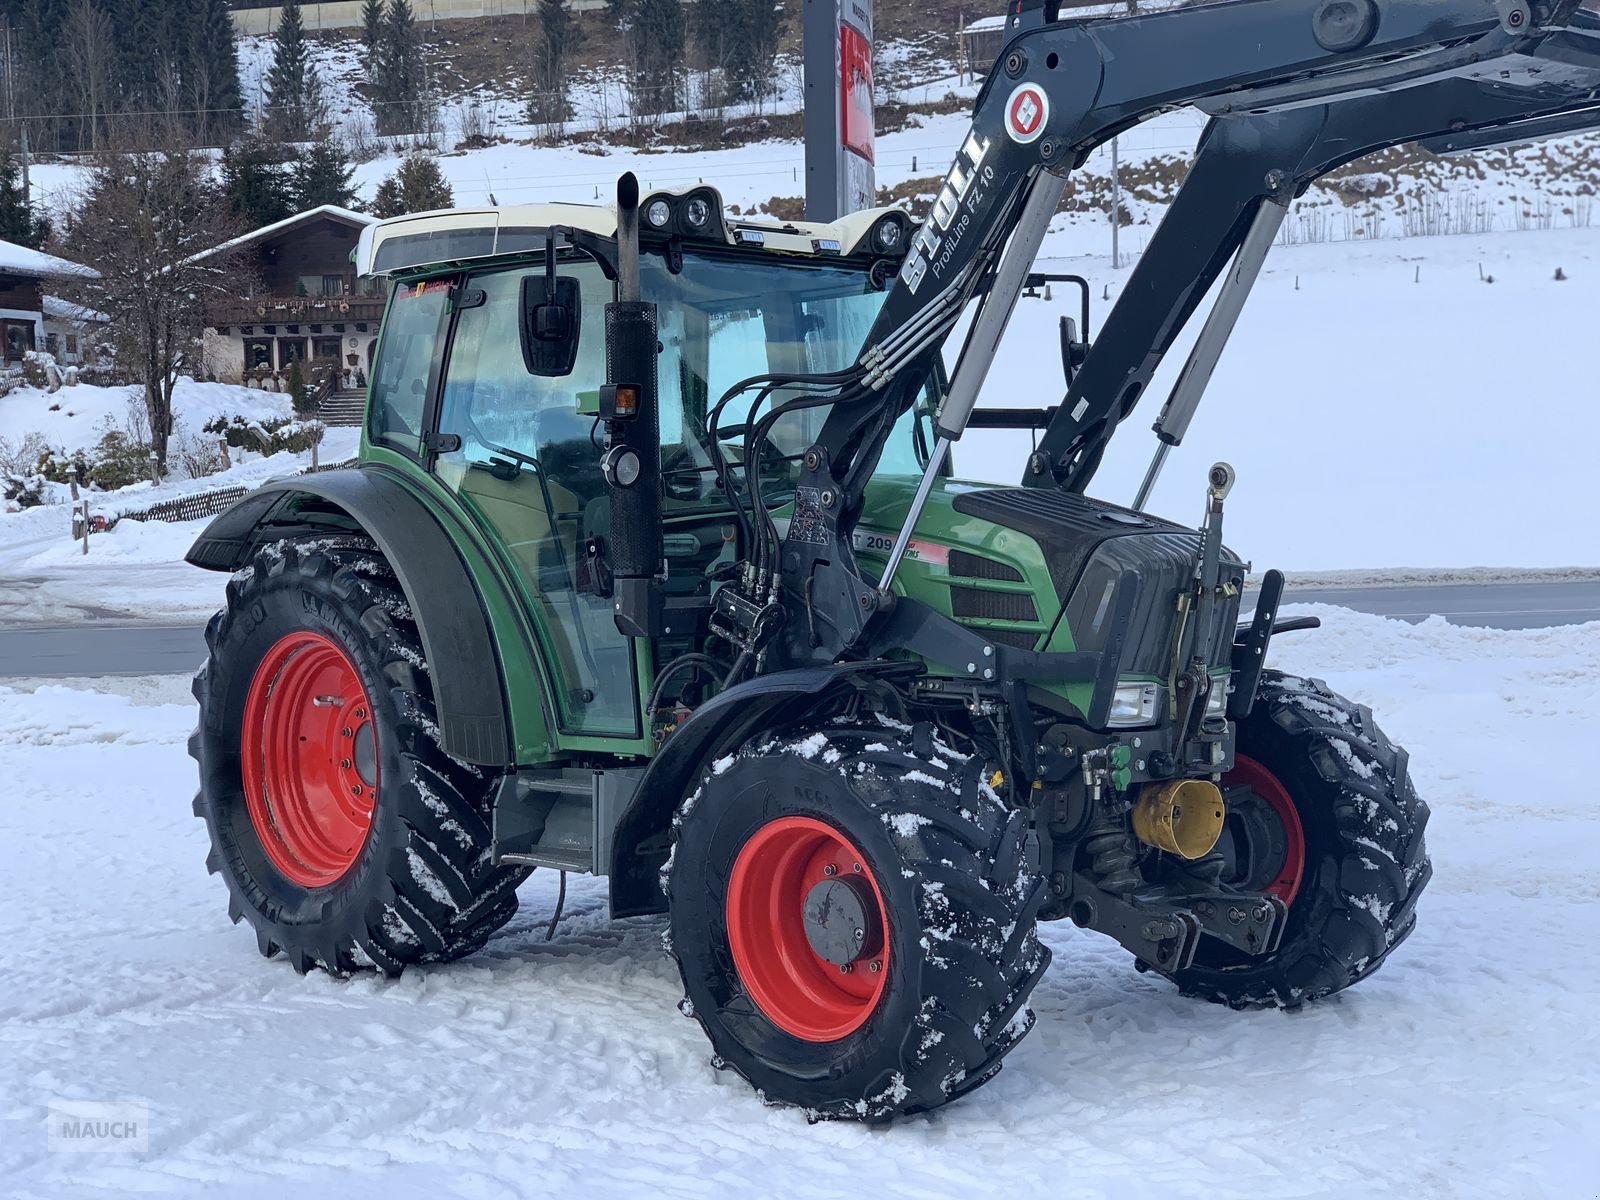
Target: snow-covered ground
<point>1463,1069</point>
<point>135,571</point>
<point>75,418</point>
<point>1383,406</point>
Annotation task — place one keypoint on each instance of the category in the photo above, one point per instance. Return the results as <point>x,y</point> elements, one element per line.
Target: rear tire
<point>1363,862</point>
<point>410,881</point>
<point>951,921</point>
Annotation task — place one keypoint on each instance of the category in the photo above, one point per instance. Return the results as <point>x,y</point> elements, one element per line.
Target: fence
<point>202,504</point>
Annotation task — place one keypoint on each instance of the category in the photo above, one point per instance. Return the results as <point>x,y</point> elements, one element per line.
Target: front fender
<point>719,726</point>
<point>444,597</point>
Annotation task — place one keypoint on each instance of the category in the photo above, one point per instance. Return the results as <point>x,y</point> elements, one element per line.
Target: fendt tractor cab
<point>658,565</point>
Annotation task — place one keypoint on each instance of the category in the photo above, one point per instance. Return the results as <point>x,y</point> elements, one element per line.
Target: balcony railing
<point>296,310</point>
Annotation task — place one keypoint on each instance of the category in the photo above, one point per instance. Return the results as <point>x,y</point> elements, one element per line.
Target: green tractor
<point>655,566</point>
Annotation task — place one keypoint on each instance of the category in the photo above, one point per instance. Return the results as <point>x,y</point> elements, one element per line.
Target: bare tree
<point>91,43</point>
<point>145,224</point>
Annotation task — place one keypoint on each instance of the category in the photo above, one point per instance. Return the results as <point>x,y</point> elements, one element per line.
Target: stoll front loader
<point>654,566</point>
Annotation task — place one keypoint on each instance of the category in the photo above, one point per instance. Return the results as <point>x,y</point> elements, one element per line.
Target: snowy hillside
<point>1372,401</point>
<point>562,1068</point>
<point>74,418</point>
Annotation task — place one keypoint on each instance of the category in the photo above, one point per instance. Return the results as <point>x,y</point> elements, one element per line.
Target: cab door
<point>525,463</point>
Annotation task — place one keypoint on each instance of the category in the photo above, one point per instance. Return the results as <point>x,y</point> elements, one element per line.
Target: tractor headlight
<point>1134,705</point>
<point>658,214</point>
<point>889,234</point>
<point>1217,701</point>
<point>697,214</point>
<point>622,467</point>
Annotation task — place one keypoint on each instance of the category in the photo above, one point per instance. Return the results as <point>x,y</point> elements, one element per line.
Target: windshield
<point>725,319</point>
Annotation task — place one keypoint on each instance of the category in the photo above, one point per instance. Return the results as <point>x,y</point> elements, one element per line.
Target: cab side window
<point>411,333</point>
<point>528,468</point>
<point>494,405</point>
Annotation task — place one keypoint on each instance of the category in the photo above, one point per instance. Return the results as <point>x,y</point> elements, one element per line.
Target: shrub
<point>118,460</point>
<point>268,437</point>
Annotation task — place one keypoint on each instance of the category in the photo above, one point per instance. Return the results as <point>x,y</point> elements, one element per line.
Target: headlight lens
<point>889,235</point>
<point>658,214</point>
<point>697,213</point>
<point>1217,701</point>
<point>1134,705</point>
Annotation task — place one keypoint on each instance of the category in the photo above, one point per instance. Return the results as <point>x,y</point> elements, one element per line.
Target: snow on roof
<point>266,231</point>
<point>983,24</point>
<point>65,310</point>
<point>35,264</point>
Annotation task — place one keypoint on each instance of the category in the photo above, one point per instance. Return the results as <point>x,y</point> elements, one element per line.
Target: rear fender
<point>444,595</point>
<point>719,726</point>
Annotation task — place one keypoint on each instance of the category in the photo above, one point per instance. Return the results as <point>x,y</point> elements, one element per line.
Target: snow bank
<point>134,571</point>
<point>1460,1070</point>
<point>74,417</point>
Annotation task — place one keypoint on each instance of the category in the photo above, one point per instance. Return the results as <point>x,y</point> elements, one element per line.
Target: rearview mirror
<point>552,318</point>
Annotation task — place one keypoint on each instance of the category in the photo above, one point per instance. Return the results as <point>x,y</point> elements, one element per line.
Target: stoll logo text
<point>92,1127</point>
<point>936,233</point>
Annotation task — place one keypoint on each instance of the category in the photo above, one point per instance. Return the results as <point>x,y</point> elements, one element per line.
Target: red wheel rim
<point>310,759</point>
<point>1248,773</point>
<point>796,988</point>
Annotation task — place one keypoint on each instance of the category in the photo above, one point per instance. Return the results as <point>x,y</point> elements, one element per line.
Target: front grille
<point>972,566</point>
<point>992,606</point>
<point>1020,638</point>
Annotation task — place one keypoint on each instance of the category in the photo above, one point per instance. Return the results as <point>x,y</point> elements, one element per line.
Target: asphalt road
<point>111,649</point>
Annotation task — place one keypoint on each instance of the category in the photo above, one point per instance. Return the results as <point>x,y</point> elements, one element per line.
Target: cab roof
<point>415,242</point>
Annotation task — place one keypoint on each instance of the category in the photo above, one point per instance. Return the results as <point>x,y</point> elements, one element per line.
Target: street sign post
<point>841,173</point>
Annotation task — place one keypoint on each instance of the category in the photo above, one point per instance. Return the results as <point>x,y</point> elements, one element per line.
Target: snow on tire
<point>934,999</point>
<point>414,879</point>
<point>1365,862</point>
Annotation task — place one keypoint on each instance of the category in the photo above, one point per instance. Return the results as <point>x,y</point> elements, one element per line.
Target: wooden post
<point>227,459</point>
<point>155,473</point>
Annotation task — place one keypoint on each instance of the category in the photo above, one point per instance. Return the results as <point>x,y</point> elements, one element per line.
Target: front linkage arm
<point>1246,172</point>
<point>1061,90</point>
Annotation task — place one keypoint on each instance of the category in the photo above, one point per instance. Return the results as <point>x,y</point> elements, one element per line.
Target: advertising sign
<point>841,175</point>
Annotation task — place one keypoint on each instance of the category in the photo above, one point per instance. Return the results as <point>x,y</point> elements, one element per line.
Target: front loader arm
<point>1060,90</point>
<point>1244,165</point>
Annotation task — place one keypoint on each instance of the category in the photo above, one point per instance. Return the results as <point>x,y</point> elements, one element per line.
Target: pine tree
<point>401,94</point>
<point>256,182</point>
<point>294,93</point>
<point>324,175</point>
<point>417,186</point>
<point>373,16</point>
<point>214,80</point>
<point>117,62</point>
<point>560,35</point>
<point>757,27</point>
<point>19,222</point>
<point>656,42</point>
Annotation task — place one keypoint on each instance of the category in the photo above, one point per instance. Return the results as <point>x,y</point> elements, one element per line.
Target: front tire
<point>1323,815</point>
<point>347,837</point>
<point>854,921</point>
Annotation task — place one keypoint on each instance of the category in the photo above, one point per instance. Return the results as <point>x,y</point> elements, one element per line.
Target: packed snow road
<point>112,648</point>
<point>1464,1068</point>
